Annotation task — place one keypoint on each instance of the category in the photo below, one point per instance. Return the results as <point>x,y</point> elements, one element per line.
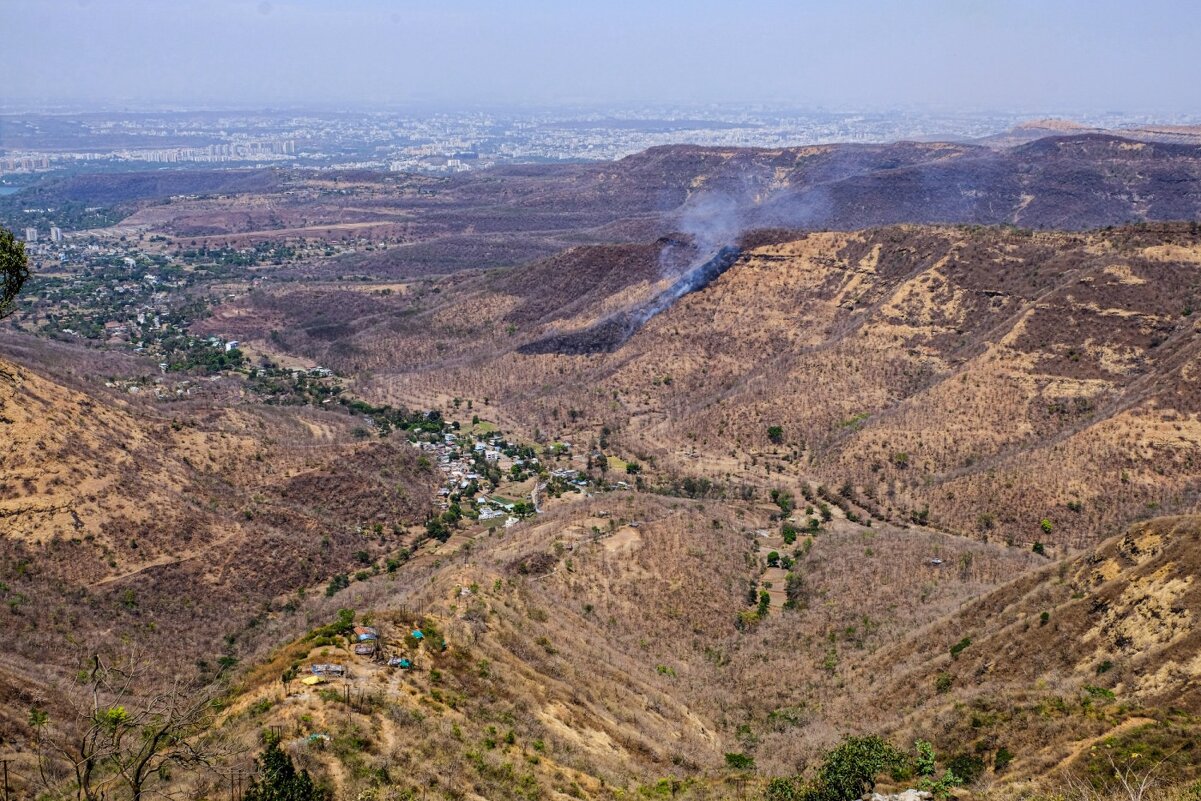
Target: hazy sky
<point>980,54</point>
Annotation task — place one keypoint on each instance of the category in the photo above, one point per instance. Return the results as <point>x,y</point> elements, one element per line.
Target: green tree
<point>967,767</point>
<point>336,584</point>
<point>740,761</point>
<point>924,763</point>
<point>764,602</point>
<point>851,768</point>
<point>437,528</point>
<point>940,788</point>
<point>794,590</point>
<point>14,271</point>
<point>775,434</point>
<point>783,788</point>
<point>278,779</point>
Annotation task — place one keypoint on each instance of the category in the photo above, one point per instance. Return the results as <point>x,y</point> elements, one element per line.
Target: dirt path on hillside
<point>166,559</point>
<point>1081,746</point>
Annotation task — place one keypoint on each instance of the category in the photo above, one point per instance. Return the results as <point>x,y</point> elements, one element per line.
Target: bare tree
<point>1135,780</point>
<point>125,732</point>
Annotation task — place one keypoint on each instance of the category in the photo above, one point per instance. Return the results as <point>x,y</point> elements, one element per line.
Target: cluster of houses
<point>468,460</point>
<point>569,476</point>
<point>365,642</point>
<point>463,458</point>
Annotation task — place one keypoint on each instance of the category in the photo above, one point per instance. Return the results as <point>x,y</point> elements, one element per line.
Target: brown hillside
<point>993,378</point>
<point>1067,654</point>
<point>596,651</point>
<point>174,525</point>
<point>405,226</point>
<point>605,636</point>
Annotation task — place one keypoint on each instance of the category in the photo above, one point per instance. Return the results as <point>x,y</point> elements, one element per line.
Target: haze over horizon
<point>1068,56</point>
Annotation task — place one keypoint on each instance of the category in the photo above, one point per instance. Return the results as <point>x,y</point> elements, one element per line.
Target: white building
<point>31,234</point>
<point>56,235</point>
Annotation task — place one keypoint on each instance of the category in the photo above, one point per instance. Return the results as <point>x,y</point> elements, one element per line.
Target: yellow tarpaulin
<point>311,680</point>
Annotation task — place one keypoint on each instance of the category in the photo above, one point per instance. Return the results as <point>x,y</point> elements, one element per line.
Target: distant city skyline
<point>435,142</point>
<point>1054,56</point>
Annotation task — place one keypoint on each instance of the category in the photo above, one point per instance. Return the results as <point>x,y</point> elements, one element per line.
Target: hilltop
<point>1038,129</point>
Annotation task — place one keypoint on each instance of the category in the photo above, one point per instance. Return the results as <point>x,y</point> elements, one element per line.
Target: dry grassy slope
<point>138,482</point>
<point>992,376</point>
<point>606,630</point>
<point>1122,618</point>
<point>527,655</point>
<point>71,464</point>
<point>1016,376</point>
<point>433,326</point>
<point>610,652</point>
<point>119,521</point>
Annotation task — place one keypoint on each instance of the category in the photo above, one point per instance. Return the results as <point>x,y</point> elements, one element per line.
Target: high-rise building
<point>56,234</point>
<point>31,234</point>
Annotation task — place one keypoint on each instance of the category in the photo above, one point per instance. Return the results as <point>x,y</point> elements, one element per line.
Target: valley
<point>871,352</point>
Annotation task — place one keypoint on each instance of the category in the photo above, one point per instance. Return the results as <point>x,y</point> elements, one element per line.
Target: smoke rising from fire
<point>709,225</point>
